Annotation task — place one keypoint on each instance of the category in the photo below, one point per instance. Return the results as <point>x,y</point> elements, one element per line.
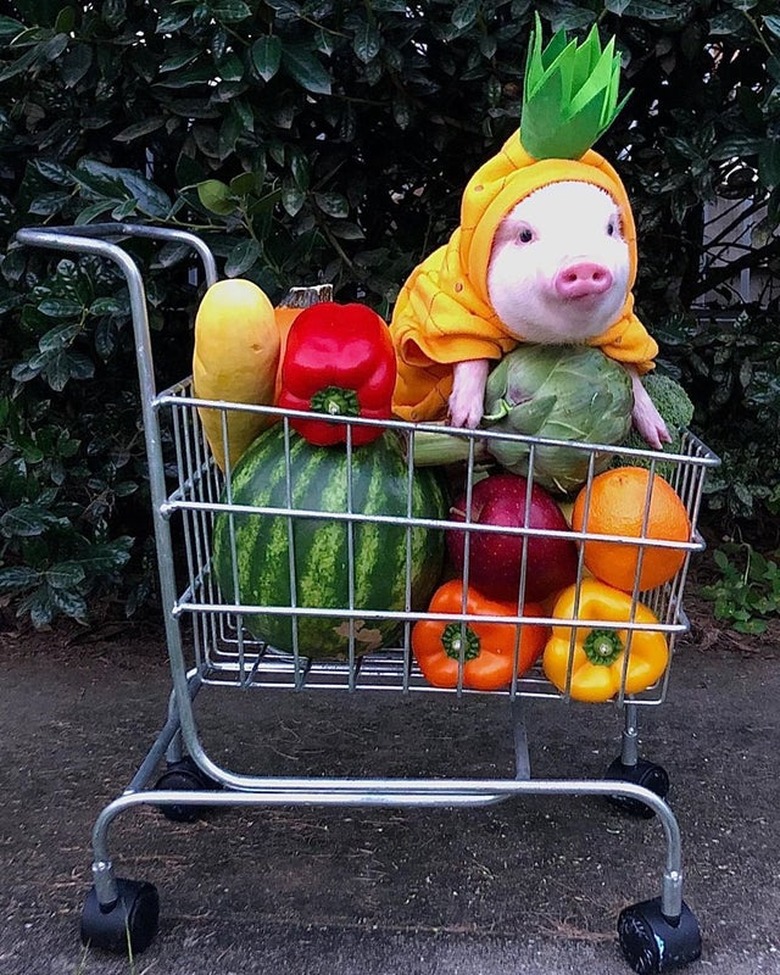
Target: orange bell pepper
<point>598,656</point>
<point>489,652</point>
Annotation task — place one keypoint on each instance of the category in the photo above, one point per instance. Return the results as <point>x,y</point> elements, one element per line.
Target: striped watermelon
<point>318,482</point>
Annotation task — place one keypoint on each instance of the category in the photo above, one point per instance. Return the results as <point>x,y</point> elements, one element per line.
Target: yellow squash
<point>235,359</point>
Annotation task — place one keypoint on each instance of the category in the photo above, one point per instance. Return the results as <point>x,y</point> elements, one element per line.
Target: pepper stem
<point>602,647</point>
<point>452,641</point>
<point>335,401</point>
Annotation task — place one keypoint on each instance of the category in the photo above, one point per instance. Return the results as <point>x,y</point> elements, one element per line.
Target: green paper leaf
<point>570,94</point>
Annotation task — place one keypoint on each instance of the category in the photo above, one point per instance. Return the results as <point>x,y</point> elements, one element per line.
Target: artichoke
<point>561,392</point>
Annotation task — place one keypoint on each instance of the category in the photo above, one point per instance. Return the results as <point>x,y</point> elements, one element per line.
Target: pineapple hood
<point>443,313</point>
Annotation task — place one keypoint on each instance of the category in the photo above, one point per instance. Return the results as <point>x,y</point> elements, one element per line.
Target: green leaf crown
<point>570,94</point>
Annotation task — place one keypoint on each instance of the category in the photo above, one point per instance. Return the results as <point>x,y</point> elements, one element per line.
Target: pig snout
<point>582,280</point>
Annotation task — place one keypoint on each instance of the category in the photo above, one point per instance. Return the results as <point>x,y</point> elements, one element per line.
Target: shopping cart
<point>217,648</point>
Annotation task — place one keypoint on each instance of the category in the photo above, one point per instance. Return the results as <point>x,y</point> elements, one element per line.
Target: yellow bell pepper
<point>598,655</point>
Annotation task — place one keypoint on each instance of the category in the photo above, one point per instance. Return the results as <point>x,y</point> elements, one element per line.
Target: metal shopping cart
<point>219,646</point>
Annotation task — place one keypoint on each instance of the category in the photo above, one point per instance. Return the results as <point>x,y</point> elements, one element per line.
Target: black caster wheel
<point>184,776</point>
<point>644,773</point>
<point>653,943</point>
<point>128,926</point>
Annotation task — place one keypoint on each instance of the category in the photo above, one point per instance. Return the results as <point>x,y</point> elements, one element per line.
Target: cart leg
<point>181,772</point>
<point>661,934</point>
<point>522,759</point>
<point>629,767</point>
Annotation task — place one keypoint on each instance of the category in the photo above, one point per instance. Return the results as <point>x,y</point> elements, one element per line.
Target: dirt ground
<point>530,885</point>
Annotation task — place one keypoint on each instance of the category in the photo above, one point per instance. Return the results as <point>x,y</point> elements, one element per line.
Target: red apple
<point>495,557</point>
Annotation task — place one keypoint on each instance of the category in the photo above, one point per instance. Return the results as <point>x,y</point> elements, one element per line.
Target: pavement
<point>531,886</point>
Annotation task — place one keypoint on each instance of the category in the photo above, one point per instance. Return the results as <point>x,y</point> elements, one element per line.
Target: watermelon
<point>318,482</point>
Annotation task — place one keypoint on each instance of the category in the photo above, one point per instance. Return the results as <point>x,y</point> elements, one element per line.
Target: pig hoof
<point>465,417</point>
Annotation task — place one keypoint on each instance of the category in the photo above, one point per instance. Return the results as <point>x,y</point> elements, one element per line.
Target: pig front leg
<point>647,420</point>
<point>467,398</point>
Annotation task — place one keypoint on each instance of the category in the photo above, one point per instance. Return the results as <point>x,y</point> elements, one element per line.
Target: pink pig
<point>558,274</point>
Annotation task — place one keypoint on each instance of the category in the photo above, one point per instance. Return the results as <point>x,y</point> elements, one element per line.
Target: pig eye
<point>526,235</point>
<point>611,229</point>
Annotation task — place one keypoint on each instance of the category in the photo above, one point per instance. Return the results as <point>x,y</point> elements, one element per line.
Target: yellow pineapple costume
<point>443,314</point>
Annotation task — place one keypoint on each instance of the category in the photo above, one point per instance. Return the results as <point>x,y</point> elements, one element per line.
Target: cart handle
<point>91,240</point>
<point>52,237</point>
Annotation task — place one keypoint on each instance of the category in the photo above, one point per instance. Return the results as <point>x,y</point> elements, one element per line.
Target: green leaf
<point>172,20</point>
<point>215,196</point>
<point>299,167</point>
<point>106,333</point>
<point>769,163</point>
<point>293,200</point>
<point>10,27</point>
<point>728,22</point>
<point>138,129</point>
<point>241,258</point>
<point>75,63</point>
<point>367,42</point>
<point>650,10</point>
<point>465,13</point>
<point>150,199</point>
<point>243,184</point>
<point>265,56</point>
<point>617,6</point>
<point>47,204</point>
<point>772,24</point>
<point>40,607</point>
<point>334,204</point>
<point>230,11</point>
<point>95,210</point>
<point>20,65</point>
<point>70,603</point>
<point>345,230</point>
<point>177,61</point>
<point>16,577</point>
<point>59,308</point>
<point>108,556</point>
<point>27,521</point>
<point>65,575</point>
<point>53,171</point>
<point>305,68</point>
<point>231,68</point>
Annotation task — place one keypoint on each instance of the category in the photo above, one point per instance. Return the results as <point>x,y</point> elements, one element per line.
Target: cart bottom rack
<point>213,642</point>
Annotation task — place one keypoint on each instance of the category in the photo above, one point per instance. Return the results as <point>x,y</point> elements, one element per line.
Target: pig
<point>558,274</point>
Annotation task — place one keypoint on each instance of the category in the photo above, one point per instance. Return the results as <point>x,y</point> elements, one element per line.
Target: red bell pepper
<point>339,360</point>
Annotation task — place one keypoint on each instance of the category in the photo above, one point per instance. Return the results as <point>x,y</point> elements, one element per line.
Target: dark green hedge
<point>332,141</point>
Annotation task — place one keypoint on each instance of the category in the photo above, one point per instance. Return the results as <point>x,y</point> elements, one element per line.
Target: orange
<point>617,506</point>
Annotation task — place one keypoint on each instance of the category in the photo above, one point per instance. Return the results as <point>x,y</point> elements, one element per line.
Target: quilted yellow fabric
<point>443,314</point>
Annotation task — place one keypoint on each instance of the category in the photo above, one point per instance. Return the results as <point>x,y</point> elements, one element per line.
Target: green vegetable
<point>676,408</point>
<point>561,392</point>
<point>565,392</point>
<point>318,481</point>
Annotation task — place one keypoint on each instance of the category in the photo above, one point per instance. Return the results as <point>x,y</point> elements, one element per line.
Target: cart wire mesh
<point>227,652</point>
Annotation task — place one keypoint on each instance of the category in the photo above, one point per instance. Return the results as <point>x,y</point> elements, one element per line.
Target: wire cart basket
<point>212,637</point>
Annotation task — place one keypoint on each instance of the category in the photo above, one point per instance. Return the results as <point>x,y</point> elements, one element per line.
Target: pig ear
<point>570,94</point>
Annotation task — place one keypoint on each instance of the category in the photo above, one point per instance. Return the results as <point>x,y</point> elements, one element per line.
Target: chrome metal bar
<point>629,742</point>
<point>398,793</point>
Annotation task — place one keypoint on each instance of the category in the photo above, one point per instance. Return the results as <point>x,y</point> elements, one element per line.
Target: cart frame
<point>656,935</point>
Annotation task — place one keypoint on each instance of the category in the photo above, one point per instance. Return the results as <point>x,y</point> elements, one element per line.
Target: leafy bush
<point>315,140</point>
